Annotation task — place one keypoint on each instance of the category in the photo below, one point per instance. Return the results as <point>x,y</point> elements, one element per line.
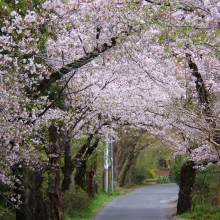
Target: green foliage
<point>206,187</point>
<point>75,200</point>
<point>147,162</point>
<point>54,95</point>
<point>68,25</point>
<point>151,173</point>
<point>4,196</point>
<point>3,189</point>
<point>98,201</point>
<point>22,6</point>
<point>167,49</point>
<point>139,175</point>
<point>122,37</point>
<point>205,195</point>
<point>142,174</point>
<point>5,214</point>
<point>175,170</point>
<point>162,38</point>
<point>213,214</point>
<point>45,183</point>
<point>87,17</point>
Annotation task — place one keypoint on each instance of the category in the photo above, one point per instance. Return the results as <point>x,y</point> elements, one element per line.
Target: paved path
<point>144,203</point>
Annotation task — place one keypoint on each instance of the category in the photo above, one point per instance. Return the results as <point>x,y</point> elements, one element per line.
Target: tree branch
<point>76,64</point>
<point>52,103</point>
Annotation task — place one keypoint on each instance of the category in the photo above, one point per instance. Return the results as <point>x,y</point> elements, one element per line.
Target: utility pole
<point>112,163</point>
<point>105,173</point>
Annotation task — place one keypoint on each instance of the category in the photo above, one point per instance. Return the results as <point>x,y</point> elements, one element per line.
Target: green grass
<point>96,203</point>
<point>212,213</point>
<point>5,214</point>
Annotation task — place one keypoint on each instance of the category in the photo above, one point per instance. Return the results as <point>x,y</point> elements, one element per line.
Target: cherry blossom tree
<point>70,70</point>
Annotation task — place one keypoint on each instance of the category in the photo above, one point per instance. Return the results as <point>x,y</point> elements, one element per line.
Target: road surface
<point>144,203</point>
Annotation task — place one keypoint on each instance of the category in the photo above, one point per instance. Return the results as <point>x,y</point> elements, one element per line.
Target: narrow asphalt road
<point>144,203</point>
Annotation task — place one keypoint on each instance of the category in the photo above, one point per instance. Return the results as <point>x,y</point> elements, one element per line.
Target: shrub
<point>206,188</point>
<point>139,175</point>
<point>3,189</point>
<point>74,200</point>
<point>5,214</point>
<point>151,173</point>
<point>5,197</point>
<point>176,169</point>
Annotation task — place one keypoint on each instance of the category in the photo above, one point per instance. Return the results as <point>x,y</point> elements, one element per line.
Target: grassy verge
<point>86,213</point>
<point>95,204</point>
<point>5,214</point>
<point>212,213</point>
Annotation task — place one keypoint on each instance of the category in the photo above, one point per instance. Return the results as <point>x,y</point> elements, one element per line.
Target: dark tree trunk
<point>187,179</point>
<point>55,196</point>
<point>122,150</point>
<point>22,213</point>
<point>54,152</point>
<point>68,167</point>
<point>89,183</point>
<point>80,175</point>
<point>203,94</point>
<point>127,168</point>
<point>40,206</point>
<point>131,170</point>
<point>33,205</point>
<point>188,173</point>
<point>91,186</point>
<point>120,156</point>
<point>86,150</point>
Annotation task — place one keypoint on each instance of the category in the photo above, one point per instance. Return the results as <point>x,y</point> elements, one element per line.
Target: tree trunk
<point>127,168</point>
<point>55,196</point>
<point>130,174</point>
<point>89,183</point>
<point>54,152</point>
<point>40,206</point>
<point>80,175</point>
<point>33,205</point>
<point>68,167</point>
<point>187,179</point>
<point>22,213</point>
<point>120,159</point>
<point>86,150</point>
